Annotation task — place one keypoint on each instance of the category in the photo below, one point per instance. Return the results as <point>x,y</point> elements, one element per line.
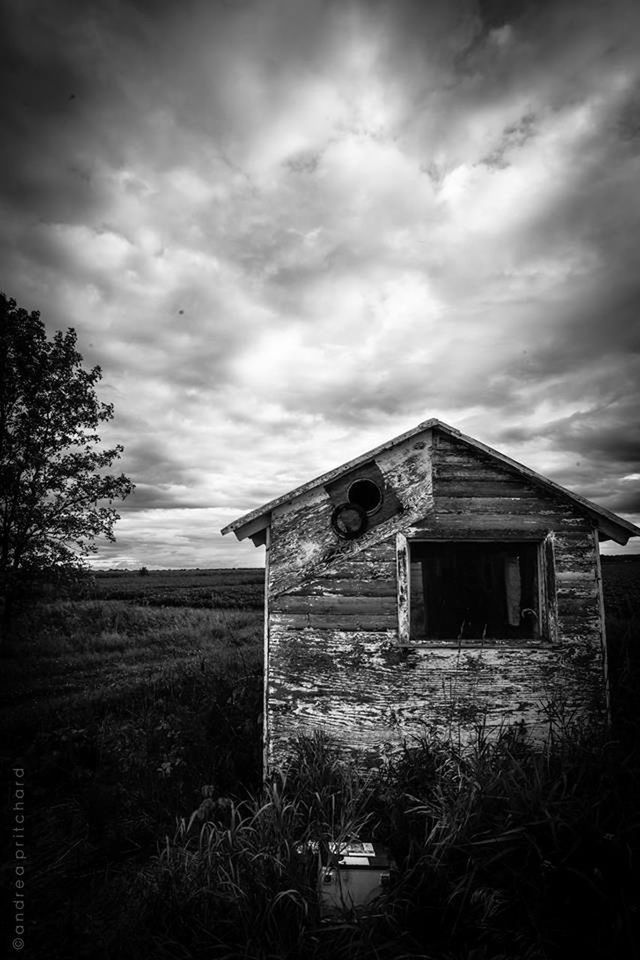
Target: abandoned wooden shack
<point>430,584</point>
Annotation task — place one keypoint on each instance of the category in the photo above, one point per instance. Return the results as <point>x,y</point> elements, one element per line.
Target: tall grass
<point>119,713</point>
<point>504,850</point>
<point>517,850</point>
<point>239,878</point>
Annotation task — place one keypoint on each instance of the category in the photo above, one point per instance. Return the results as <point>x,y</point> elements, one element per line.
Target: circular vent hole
<point>349,521</point>
<point>366,494</point>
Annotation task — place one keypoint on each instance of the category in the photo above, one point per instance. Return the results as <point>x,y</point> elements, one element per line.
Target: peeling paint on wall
<point>336,608</point>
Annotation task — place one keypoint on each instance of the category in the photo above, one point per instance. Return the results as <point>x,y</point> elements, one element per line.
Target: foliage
<point>56,496</point>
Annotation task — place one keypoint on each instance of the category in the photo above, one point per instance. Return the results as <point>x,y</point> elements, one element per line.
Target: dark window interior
<point>474,591</point>
<point>366,494</point>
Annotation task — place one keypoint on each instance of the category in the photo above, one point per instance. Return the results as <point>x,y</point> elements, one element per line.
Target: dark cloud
<point>158,497</point>
<point>628,502</point>
<point>497,13</point>
<point>151,458</point>
<point>610,443</point>
<point>514,136</point>
<point>305,162</point>
<point>606,445</point>
<point>627,122</point>
<point>149,497</point>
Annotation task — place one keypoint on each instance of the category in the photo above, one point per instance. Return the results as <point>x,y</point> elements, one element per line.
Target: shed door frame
<point>547,599</point>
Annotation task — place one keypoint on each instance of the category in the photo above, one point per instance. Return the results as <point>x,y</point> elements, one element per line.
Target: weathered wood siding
<point>303,544</point>
<point>334,657</point>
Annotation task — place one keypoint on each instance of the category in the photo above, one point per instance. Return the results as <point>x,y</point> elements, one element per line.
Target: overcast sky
<point>289,230</point>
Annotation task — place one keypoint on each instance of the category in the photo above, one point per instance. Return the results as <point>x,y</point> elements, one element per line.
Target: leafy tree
<point>55,496</point>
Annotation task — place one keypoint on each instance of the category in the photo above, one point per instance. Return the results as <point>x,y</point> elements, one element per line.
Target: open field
<point>138,698</point>
<point>118,633</point>
<point>217,589</point>
<point>120,709</point>
<point>621,578</point>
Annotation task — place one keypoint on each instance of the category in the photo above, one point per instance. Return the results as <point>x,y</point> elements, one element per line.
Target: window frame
<point>546,585</point>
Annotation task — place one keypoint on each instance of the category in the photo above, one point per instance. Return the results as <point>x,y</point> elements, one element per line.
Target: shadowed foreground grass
<point>119,713</point>
<point>504,850</point>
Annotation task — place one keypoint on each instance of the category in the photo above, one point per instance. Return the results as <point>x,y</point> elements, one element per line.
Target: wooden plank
<point>482,488</point>
<point>448,456</point>
<point>491,526</point>
<point>352,587</point>
<point>574,545</point>
<point>582,590</point>
<point>576,537</point>
<point>577,614</point>
<point>576,618</point>
<point>358,569</point>
<point>447,449</point>
<point>451,527</point>
<point>334,606</point>
<point>580,565</point>
<point>549,590</point>
<point>569,575</point>
<point>532,507</point>
<point>266,658</point>
<point>384,550</point>
<point>402,580</point>
<point>602,625</point>
<point>524,521</point>
<point>466,468</point>
<point>349,622</point>
<point>289,638</point>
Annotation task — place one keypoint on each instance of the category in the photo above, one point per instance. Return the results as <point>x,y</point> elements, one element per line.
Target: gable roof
<point>254,523</point>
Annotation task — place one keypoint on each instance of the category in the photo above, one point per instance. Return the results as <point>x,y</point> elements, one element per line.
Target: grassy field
<point>136,700</point>
<point>121,701</point>
<point>211,589</point>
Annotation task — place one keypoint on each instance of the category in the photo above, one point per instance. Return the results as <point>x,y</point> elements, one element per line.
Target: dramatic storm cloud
<point>289,230</point>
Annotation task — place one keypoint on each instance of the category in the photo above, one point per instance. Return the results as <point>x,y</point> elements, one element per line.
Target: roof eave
<point>254,528</point>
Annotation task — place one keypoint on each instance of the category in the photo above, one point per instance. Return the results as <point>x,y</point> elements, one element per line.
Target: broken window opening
<point>473,591</point>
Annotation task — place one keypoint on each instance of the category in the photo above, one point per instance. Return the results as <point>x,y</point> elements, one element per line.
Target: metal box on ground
<point>354,875</point>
